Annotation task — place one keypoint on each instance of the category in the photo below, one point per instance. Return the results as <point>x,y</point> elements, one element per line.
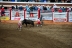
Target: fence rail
<point>53,16</point>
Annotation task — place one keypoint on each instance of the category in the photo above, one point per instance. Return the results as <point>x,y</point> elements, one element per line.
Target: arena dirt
<point>47,36</point>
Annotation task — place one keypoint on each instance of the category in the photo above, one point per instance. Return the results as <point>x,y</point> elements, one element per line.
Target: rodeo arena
<point>36,24</point>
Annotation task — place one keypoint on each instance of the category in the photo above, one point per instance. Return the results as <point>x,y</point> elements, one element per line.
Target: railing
<point>34,3</point>
<point>54,16</point>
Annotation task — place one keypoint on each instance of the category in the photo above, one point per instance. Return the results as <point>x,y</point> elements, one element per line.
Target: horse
<point>25,21</point>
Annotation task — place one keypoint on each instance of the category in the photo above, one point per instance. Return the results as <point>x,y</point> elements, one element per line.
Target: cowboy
<point>20,25</point>
<point>38,22</point>
<point>2,12</point>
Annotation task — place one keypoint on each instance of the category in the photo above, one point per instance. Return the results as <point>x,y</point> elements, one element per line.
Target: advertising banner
<point>17,15</point>
<point>47,16</point>
<point>60,17</point>
<point>70,16</point>
<point>6,16</point>
<point>32,15</point>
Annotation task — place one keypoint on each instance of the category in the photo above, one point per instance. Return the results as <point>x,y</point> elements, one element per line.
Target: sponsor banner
<point>60,17</point>
<point>32,15</point>
<point>5,18</point>
<point>70,16</point>
<point>47,16</point>
<point>17,18</point>
<point>17,15</point>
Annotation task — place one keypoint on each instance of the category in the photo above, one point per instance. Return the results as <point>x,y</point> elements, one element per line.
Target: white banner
<point>70,16</point>
<point>60,17</point>
<point>47,16</point>
<point>17,15</point>
<point>32,15</point>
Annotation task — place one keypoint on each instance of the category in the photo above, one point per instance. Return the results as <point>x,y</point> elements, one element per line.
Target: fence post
<point>38,12</point>
<point>67,16</point>
<point>10,13</point>
<point>24,13</point>
<point>0,15</point>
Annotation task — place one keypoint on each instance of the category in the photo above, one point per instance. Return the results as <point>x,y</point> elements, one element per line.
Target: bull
<point>25,21</point>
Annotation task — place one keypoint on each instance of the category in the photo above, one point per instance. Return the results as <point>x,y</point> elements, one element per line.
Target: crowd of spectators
<point>67,1</point>
<point>41,7</point>
<point>35,8</point>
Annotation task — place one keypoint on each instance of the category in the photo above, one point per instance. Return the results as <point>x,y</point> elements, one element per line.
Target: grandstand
<point>46,4</point>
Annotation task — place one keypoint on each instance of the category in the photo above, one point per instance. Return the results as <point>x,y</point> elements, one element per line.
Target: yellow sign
<point>4,18</point>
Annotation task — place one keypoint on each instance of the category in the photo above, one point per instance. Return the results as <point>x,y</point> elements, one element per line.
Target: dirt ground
<point>47,36</point>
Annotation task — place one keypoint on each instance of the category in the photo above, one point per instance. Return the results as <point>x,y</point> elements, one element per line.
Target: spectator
<point>44,8</point>
<point>60,9</point>
<point>18,0</point>
<point>31,1</point>
<point>37,0</point>
<point>48,9</point>
<point>26,0</point>
<point>13,7</point>
<point>16,7</point>
<point>68,1</point>
<point>32,8</point>
<point>41,1</point>
<point>2,6</point>
<point>64,1</point>
<point>52,9</point>
<point>27,8</point>
<point>52,0</point>
<point>44,0</point>
<point>59,1</point>
<point>63,9</point>
<point>20,7</point>
<point>38,6</point>
<point>47,0</point>
<point>2,11</point>
<point>55,7</point>
<point>5,8</point>
<point>41,7</point>
<point>35,7</point>
<point>66,9</point>
<point>22,0</point>
<point>70,9</point>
